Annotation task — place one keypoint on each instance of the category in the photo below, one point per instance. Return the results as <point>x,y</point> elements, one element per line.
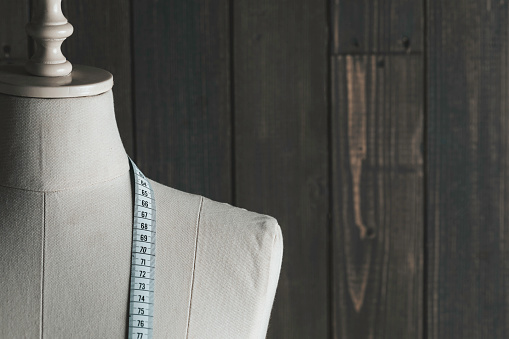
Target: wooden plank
<point>468,184</point>
<point>182,70</point>
<point>377,188</point>
<point>372,26</point>
<point>280,74</point>
<point>13,39</point>
<point>101,39</point>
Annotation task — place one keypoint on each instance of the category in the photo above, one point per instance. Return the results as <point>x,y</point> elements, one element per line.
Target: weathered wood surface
<point>280,78</point>
<point>101,39</point>
<point>367,26</point>
<point>182,94</point>
<point>13,39</point>
<point>468,185</point>
<point>377,190</point>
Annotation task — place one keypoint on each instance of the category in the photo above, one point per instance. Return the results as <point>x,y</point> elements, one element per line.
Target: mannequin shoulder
<point>222,233</point>
<point>227,222</point>
<point>229,258</point>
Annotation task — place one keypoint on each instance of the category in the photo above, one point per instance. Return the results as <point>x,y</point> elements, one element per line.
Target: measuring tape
<point>141,296</point>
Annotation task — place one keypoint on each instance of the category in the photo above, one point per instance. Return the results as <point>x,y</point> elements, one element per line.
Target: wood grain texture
<point>376,26</point>
<point>182,73</point>
<point>468,167</point>
<point>13,39</point>
<point>101,39</point>
<point>280,74</point>
<point>377,188</point>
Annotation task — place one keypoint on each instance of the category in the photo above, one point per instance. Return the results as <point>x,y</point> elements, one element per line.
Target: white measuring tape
<point>141,296</point>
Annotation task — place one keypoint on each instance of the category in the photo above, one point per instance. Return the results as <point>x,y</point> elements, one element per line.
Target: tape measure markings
<point>141,294</point>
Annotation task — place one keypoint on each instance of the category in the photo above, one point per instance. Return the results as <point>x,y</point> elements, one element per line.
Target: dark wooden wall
<point>376,132</point>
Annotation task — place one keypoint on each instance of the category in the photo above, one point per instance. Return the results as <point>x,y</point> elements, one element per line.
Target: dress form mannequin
<point>66,224</point>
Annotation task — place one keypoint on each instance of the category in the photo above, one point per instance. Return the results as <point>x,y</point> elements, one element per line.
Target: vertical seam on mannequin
<point>194,268</point>
<point>43,259</point>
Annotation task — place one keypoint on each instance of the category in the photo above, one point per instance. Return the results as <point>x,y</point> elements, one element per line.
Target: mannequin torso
<point>65,236</point>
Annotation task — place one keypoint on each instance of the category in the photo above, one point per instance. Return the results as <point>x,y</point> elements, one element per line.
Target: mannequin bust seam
<point>194,267</point>
<point>66,188</point>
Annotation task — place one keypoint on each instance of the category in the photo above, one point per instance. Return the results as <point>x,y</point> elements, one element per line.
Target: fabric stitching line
<point>194,268</point>
<point>43,250</point>
<point>66,188</point>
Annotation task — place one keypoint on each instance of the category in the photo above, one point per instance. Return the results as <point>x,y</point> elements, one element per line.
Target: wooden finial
<point>49,28</point>
<point>54,78</point>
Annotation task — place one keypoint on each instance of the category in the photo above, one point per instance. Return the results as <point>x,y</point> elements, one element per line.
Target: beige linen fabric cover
<point>65,236</point>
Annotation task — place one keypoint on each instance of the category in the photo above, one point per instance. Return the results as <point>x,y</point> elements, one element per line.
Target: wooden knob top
<point>50,75</point>
<point>49,28</point>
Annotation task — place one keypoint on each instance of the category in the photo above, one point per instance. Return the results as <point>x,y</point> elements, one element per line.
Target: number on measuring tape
<point>141,296</point>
